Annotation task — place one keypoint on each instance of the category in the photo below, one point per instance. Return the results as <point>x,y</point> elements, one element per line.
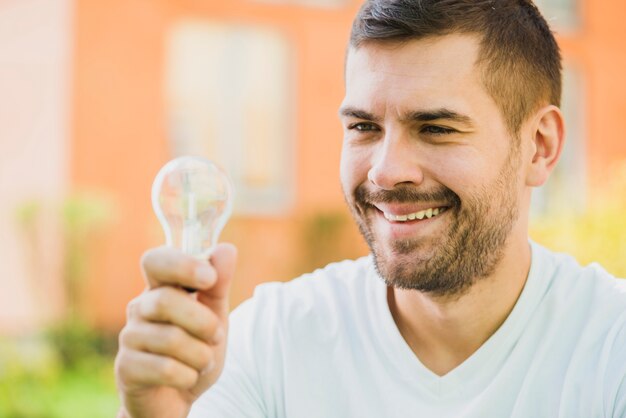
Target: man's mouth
<point>419,215</point>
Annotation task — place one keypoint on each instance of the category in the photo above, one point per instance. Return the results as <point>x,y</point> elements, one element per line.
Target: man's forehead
<point>452,48</point>
<point>428,68</point>
<point>424,76</point>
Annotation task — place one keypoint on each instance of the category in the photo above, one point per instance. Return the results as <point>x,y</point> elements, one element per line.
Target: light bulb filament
<point>192,198</point>
<point>192,229</point>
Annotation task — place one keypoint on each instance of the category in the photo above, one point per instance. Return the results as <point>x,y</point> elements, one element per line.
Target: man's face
<point>428,167</point>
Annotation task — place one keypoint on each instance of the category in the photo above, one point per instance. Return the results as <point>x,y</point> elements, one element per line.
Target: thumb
<point>223,258</point>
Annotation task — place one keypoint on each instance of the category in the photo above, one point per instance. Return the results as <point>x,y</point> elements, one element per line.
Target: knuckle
<point>154,264</point>
<point>132,309</point>
<point>219,335</point>
<point>168,369</point>
<point>207,324</point>
<point>172,339</point>
<point>146,259</point>
<point>124,338</point>
<point>123,366</point>
<point>161,303</point>
<point>205,330</point>
<point>185,270</point>
<point>201,320</point>
<point>188,378</point>
<point>206,357</point>
<point>172,373</point>
<point>157,305</point>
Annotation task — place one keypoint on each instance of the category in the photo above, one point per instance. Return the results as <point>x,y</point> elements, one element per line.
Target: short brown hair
<point>521,59</point>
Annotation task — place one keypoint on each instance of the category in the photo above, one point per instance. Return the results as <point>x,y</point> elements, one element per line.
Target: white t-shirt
<point>325,345</point>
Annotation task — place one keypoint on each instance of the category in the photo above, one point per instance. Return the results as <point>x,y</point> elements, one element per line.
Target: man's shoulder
<point>568,275</point>
<point>326,305</point>
<point>339,283</point>
<point>335,282</point>
<point>588,296</point>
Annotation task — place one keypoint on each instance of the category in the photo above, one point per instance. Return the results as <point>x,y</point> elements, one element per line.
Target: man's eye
<point>437,130</point>
<point>362,127</point>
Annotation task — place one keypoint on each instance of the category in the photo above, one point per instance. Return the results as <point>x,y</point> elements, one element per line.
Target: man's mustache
<point>406,194</point>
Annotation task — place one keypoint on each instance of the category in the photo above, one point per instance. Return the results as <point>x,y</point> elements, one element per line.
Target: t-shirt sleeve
<point>237,393</point>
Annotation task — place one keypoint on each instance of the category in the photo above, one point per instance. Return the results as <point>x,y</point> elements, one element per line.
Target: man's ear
<point>547,138</point>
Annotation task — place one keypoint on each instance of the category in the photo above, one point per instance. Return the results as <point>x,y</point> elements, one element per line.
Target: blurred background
<point>95,96</point>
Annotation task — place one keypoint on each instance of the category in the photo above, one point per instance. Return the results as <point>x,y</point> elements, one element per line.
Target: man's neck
<point>444,332</point>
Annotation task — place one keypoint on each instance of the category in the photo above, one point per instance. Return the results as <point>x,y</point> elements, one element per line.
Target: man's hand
<point>172,347</point>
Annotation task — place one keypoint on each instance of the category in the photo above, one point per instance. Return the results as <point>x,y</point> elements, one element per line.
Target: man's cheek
<point>353,169</point>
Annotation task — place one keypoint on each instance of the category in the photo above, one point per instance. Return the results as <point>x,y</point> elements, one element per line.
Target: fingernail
<point>204,275</point>
<point>218,336</point>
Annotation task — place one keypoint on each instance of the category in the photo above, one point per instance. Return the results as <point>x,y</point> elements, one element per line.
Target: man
<point>450,118</point>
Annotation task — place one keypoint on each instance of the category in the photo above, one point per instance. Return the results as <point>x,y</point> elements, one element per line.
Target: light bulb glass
<point>192,198</point>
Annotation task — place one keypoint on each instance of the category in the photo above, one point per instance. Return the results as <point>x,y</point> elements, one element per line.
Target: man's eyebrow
<point>431,115</point>
<point>353,112</point>
<point>417,116</point>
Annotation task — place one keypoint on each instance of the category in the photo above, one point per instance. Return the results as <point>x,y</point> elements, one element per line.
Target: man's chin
<point>413,250</point>
<point>416,266</point>
<point>420,276</point>
<point>400,274</point>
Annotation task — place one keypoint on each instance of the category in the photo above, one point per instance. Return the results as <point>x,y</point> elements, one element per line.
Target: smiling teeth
<point>428,213</point>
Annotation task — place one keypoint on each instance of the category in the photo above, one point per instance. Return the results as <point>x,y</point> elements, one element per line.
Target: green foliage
<point>76,343</point>
<point>78,219</point>
<point>34,383</point>
<point>82,215</point>
<point>27,213</point>
<point>20,373</point>
<point>67,371</point>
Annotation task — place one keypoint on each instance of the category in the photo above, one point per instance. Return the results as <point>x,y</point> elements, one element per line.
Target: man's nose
<point>395,162</point>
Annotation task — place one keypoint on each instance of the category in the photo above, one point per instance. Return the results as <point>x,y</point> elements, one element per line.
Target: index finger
<point>165,266</point>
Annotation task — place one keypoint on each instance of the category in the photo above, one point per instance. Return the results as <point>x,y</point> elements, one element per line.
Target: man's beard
<point>471,249</point>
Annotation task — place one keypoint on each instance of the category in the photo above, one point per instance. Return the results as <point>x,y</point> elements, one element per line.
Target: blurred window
<point>230,99</point>
<point>560,14</point>
<point>566,189</point>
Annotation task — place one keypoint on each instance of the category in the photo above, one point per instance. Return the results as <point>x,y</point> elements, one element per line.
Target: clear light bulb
<point>192,198</point>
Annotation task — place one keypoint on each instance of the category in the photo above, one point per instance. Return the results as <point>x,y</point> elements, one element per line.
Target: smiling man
<point>450,119</point>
